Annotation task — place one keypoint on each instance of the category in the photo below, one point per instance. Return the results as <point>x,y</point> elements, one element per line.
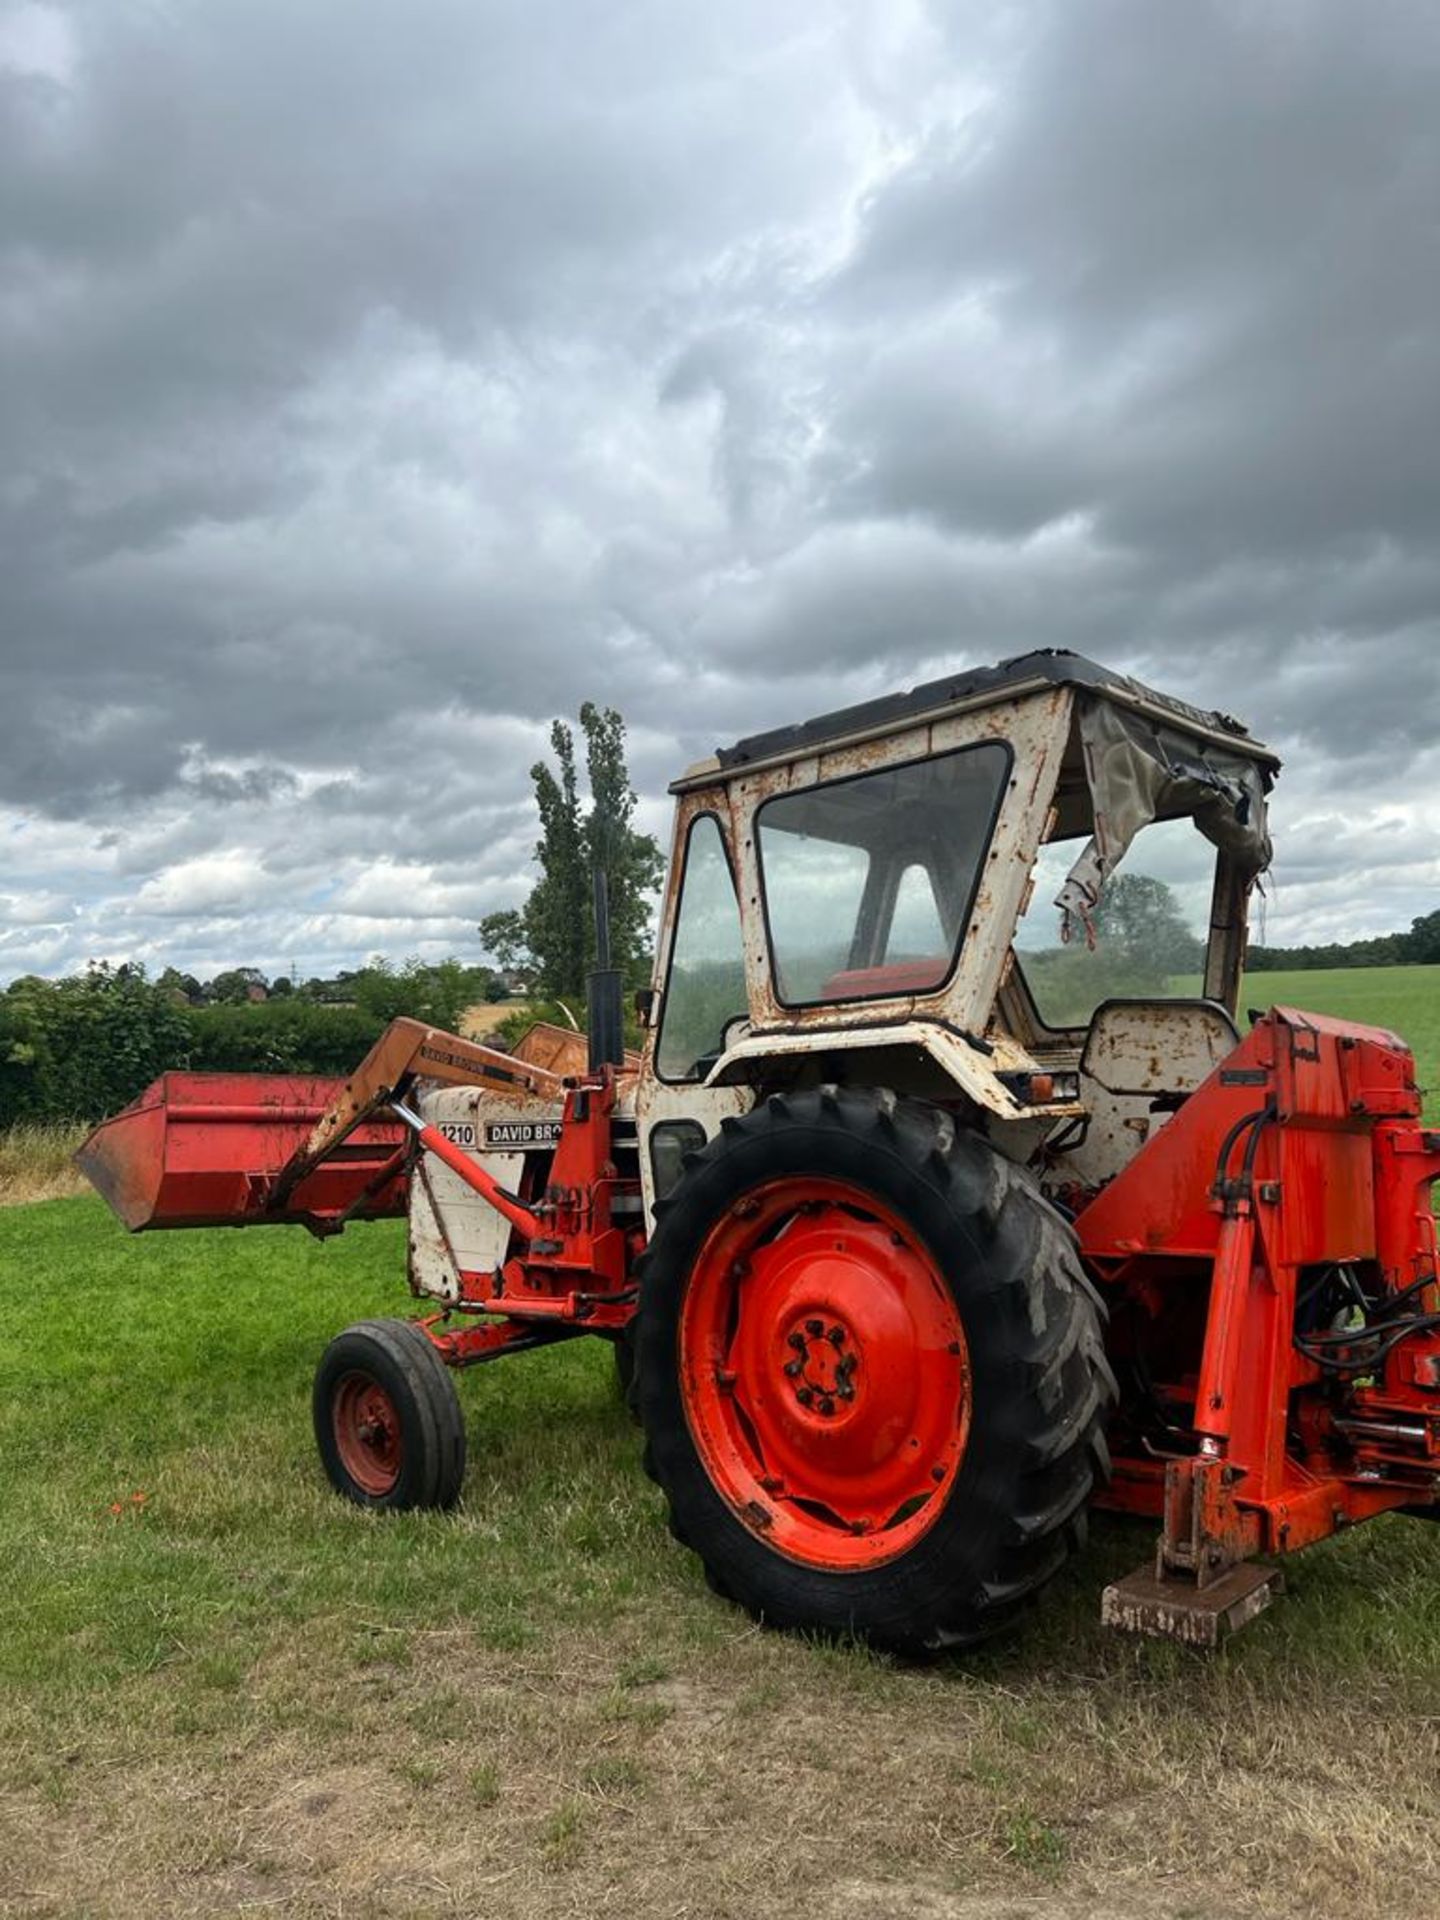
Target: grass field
<point>224,1692</point>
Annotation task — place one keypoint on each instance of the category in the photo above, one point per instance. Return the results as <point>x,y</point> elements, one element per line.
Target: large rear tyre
<point>870,1371</point>
<point>387,1418</point>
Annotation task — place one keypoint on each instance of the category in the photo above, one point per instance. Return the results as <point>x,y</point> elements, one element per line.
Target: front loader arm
<point>227,1149</point>
<point>408,1050</point>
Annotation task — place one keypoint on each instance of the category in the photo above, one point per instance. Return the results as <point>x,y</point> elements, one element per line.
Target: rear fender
<point>975,1067</point>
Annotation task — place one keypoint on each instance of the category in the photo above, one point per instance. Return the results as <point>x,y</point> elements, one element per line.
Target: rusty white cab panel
<point>453,1229</point>
<point>845,901</point>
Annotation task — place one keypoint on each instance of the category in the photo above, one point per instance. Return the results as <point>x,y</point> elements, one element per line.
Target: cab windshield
<point>869,881</point>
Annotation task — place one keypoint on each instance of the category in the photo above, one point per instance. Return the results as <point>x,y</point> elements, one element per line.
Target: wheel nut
<point>836,1336</point>
<point>794,1367</point>
<point>815,1328</point>
<point>804,1396</point>
<point>797,1341</point>
<point>827,1405</point>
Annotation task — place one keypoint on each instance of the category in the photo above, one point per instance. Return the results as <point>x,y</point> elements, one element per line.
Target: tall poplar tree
<point>553,934</point>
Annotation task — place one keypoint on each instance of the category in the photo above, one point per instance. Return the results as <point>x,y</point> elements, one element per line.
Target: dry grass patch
<point>35,1162</point>
<point>479,1021</point>
<point>759,1776</point>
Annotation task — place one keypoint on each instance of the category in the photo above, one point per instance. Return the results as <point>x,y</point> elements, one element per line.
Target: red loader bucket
<point>205,1149</point>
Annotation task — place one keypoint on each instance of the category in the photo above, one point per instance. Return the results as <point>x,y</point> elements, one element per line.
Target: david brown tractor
<point>918,1228</point>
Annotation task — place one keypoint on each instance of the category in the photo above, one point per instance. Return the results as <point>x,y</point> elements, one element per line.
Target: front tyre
<point>870,1372</point>
<point>388,1421</point>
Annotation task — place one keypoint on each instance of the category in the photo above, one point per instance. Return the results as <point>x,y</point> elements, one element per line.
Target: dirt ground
<point>437,1776</point>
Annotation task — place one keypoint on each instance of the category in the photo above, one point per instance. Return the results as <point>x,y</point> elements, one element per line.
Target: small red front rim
<point>367,1433</point>
<point>824,1373</point>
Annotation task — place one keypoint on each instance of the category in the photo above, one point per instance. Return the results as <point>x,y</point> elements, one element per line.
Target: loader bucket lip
<point>118,1175</point>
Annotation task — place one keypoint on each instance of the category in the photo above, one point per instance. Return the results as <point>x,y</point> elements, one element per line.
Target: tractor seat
<point>1141,1061</point>
<point>1156,1048</point>
<point>900,976</point>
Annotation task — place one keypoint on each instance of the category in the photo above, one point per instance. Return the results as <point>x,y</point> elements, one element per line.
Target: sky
<point>379,380</point>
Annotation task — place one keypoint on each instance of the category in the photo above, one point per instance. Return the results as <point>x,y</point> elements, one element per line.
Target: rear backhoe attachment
<point>1291,1196</point>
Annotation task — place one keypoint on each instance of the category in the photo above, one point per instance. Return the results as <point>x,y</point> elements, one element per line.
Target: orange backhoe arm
<point>406,1051</point>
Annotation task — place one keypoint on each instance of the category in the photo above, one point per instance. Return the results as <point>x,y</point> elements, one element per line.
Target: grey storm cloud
<point>382,380</point>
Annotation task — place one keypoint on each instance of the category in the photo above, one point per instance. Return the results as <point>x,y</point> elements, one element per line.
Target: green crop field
<point>222,1691</point>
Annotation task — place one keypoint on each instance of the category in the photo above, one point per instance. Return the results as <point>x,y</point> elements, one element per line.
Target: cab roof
<point>975,687</point>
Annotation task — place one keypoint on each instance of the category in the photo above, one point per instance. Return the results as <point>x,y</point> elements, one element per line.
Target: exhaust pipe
<point>603,991</point>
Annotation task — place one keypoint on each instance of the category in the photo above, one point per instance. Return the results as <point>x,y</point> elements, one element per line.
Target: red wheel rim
<point>824,1373</point>
<point>367,1433</point>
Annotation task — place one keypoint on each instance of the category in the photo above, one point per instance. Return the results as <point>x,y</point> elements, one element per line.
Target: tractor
<point>946,1200</point>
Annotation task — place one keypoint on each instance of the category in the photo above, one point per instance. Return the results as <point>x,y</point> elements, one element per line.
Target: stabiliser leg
<point>1203,1584</point>
<point>1168,1609</point>
<point>1200,1586</point>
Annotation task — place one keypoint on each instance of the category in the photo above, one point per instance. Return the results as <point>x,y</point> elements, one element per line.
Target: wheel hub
<point>823,1364</point>
<point>825,1373</point>
<point>367,1433</point>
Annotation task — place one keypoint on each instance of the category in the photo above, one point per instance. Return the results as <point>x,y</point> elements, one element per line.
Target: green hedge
<point>280,1036</point>
<point>75,1050</point>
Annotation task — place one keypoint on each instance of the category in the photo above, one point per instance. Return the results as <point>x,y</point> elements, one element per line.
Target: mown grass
<point>223,1691</point>
<point>221,1688</point>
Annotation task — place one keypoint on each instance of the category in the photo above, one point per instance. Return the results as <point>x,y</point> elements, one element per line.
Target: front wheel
<point>387,1418</point>
<point>871,1372</point>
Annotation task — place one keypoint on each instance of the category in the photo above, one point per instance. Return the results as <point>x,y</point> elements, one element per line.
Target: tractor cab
<point>1022,889</point>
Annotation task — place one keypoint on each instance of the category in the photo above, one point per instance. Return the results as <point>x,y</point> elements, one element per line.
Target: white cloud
<point>215,883</point>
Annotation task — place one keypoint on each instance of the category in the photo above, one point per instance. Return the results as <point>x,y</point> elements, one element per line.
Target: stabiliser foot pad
<point>1176,1609</point>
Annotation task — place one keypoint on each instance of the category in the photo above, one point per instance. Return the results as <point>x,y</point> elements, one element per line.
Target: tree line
<point>1419,947</point>
<point>372,986</point>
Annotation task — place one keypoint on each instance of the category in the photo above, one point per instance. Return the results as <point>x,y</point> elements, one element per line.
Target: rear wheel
<point>870,1371</point>
<point>387,1418</point>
